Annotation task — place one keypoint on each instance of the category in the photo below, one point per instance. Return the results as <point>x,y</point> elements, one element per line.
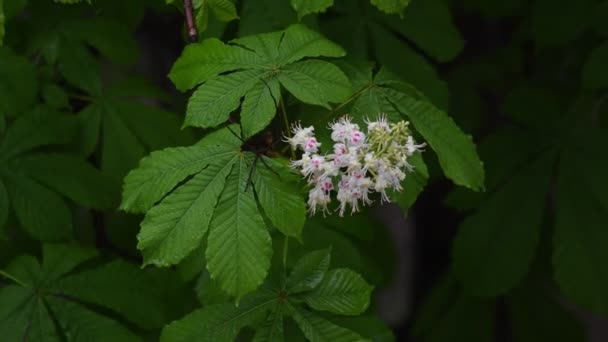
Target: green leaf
<point>175,227</point>
<point>272,328</point>
<point>17,304</point>
<point>555,25</point>
<point>220,322</point>
<point>38,309</point>
<point>299,42</point>
<point>2,19</point>
<point>537,315</point>
<point>69,176</point>
<point>86,325</point>
<point>391,6</point>
<point>367,325</point>
<point>208,291</point>
<point>122,287</point>
<point>495,246</point>
<point>79,67</point>
<point>318,329</point>
<point>595,71</point>
<point>429,25</point>
<point>160,172</point>
<point>579,255</point>
<point>450,315</point>
<point>239,246</point>
<point>129,130</point>
<point>304,7</point>
<point>19,87</point>
<point>201,61</point>
<point>342,292</point>
<point>259,106</point>
<point>409,65</point>
<point>59,259</point>
<point>37,128</point>
<point>279,197</point>
<point>316,82</point>
<point>212,103</point>
<point>600,13</point>
<point>110,38</point>
<point>455,150</point>
<point>4,205</point>
<point>414,183</point>
<point>42,213</point>
<point>55,96</point>
<point>309,271</point>
<point>224,10</point>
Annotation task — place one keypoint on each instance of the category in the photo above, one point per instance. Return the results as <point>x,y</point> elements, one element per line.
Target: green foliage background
<point>103,171</point>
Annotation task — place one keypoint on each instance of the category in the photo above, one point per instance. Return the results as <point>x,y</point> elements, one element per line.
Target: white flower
<point>412,147</point>
<point>301,136</point>
<point>364,163</point>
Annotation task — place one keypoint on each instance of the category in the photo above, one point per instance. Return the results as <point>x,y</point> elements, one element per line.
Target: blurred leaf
<point>121,287</point>
<point>448,315</point>
<point>429,25</point>
<point>495,246</point>
<point>595,71</point>
<point>391,6</point>
<point>578,251</point>
<point>537,315</point>
<point>36,306</point>
<point>304,7</point>
<point>368,326</point>
<point>599,14</point>
<point>558,23</point>
<point>55,96</point>
<point>4,204</point>
<point>18,85</point>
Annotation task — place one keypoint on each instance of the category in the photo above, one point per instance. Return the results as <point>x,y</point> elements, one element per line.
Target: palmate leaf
<point>255,63</point>
<point>456,151</point>
<point>40,307</point>
<point>304,7</point>
<point>26,174</point>
<point>127,130</point>
<point>175,227</point>
<point>216,199</point>
<point>267,309</point>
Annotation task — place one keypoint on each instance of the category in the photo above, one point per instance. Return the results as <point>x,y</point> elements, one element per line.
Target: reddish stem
<point>190,21</point>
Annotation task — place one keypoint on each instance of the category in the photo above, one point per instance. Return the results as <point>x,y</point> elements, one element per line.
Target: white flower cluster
<point>361,162</point>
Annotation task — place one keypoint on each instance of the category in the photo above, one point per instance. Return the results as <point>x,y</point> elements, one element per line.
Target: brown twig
<point>192,34</point>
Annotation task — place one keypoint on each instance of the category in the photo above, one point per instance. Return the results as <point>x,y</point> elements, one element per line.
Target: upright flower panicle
<point>361,162</point>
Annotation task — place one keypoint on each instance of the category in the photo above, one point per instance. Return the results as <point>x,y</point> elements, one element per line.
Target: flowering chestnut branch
<point>361,162</point>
